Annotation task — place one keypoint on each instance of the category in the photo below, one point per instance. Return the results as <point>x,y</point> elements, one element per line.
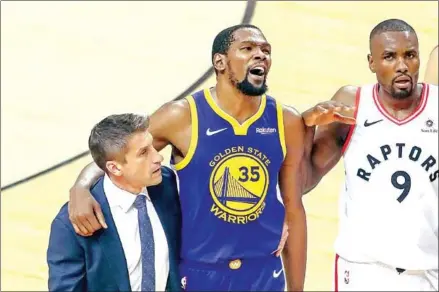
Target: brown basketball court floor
<point>65,65</point>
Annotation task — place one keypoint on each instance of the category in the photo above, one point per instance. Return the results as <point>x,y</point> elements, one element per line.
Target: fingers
<point>77,226</point>
<point>81,224</point>
<point>283,240</point>
<point>77,230</point>
<point>344,119</point>
<point>322,109</point>
<point>281,245</point>
<point>82,232</point>
<point>85,213</point>
<point>88,225</point>
<point>100,216</point>
<point>94,224</point>
<point>334,106</point>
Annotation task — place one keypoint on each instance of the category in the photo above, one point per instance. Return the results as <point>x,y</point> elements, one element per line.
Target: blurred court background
<point>66,65</point>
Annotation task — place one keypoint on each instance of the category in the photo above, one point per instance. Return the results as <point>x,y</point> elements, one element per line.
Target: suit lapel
<point>111,245</point>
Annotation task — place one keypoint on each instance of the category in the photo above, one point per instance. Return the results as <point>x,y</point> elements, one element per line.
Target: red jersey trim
<point>352,127</point>
<point>419,109</point>
<point>336,272</point>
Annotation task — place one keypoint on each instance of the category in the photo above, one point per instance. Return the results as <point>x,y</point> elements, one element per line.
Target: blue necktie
<point>147,244</point>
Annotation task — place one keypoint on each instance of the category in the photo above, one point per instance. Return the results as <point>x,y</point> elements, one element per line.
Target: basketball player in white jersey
<point>387,134</point>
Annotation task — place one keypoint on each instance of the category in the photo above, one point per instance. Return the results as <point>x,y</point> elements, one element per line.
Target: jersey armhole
<point>280,126</point>
<point>194,135</point>
<point>352,127</point>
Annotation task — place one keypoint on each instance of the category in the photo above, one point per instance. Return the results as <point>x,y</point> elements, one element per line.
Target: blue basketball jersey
<point>228,182</point>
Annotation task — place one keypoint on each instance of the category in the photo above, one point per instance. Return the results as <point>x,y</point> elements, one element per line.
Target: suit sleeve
<point>65,259</point>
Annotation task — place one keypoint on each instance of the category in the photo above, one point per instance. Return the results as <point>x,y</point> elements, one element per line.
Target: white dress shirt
<point>125,217</point>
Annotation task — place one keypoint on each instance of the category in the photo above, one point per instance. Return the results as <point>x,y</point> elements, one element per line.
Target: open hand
<point>329,112</point>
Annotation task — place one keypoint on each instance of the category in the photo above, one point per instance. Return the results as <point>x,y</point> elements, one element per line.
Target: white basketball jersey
<point>389,203</point>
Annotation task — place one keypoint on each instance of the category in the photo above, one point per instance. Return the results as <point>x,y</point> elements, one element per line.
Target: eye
<point>388,57</point>
<point>247,48</point>
<point>267,51</point>
<point>144,151</point>
<point>411,55</point>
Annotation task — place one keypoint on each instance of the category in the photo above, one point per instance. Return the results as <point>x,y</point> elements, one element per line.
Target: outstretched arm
<point>328,125</point>
<point>294,252</point>
<point>167,125</point>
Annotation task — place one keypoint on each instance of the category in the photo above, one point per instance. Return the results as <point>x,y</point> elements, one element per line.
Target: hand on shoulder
<point>341,108</point>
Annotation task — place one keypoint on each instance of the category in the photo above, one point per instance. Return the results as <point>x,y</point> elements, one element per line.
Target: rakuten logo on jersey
<point>265,131</point>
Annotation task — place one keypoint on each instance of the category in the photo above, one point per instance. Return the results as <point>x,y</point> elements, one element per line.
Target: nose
<point>259,54</point>
<point>158,158</point>
<point>401,66</point>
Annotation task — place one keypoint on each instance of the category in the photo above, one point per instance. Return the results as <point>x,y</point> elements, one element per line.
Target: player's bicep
<point>291,180</point>
<point>327,145</point>
<point>330,139</point>
<point>165,122</point>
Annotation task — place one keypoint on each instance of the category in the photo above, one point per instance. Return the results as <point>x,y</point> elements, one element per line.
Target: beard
<point>246,87</point>
<point>401,93</point>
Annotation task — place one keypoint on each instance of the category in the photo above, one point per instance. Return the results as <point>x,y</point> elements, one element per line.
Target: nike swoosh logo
<point>277,274</point>
<point>210,133</point>
<point>367,124</point>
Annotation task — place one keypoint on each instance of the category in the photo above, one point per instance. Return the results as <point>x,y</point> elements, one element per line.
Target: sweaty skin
<point>171,125</point>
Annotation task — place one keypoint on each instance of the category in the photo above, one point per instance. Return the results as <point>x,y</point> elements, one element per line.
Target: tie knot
<point>140,202</point>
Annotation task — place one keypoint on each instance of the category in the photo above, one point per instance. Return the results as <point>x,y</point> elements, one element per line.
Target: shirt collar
<point>120,198</point>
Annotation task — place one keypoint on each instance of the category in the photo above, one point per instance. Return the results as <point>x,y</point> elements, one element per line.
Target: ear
<point>114,168</point>
<point>219,62</point>
<point>371,63</point>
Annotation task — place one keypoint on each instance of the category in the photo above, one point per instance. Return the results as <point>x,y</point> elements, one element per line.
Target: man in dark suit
<point>139,248</point>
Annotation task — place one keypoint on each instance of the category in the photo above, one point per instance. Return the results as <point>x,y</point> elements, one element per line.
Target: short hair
<point>224,39</point>
<point>108,138</point>
<point>391,25</point>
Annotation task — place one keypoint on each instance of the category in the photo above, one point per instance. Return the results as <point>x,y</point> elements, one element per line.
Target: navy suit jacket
<point>97,263</point>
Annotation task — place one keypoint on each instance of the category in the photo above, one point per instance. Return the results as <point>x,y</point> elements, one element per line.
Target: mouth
<point>157,171</point>
<point>258,73</point>
<point>403,82</point>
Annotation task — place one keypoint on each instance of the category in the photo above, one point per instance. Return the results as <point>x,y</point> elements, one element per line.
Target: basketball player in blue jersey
<point>237,153</point>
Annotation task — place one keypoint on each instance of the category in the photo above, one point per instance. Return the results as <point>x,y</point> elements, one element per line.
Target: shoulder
<point>175,109</point>
<point>346,94</point>
<point>166,193</point>
<point>180,107</point>
<point>62,219</point>
<point>167,190</point>
<point>168,175</point>
<point>171,118</point>
<point>292,117</point>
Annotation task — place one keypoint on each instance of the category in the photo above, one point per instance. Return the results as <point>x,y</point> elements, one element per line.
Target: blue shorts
<point>262,274</point>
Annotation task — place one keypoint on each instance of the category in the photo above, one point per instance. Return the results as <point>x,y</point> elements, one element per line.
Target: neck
<point>400,104</point>
<point>234,102</point>
<point>123,185</point>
